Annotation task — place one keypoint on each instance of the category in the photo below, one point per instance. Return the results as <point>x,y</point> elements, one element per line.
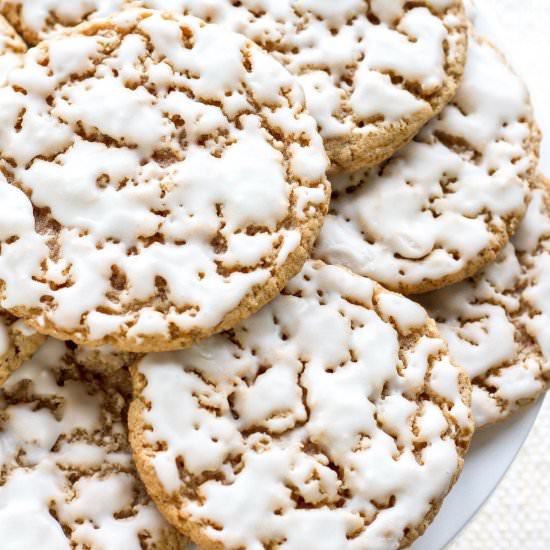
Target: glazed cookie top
<point>17,344</point>
<point>374,72</point>
<point>498,323</point>
<point>66,475</point>
<point>445,205</point>
<point>333,418</point>
<point>162,180</point>
<point>37,19</point>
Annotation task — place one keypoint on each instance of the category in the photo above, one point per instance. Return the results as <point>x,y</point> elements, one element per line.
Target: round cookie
<point>333,418</point>
<point>374,71</point>
<point>17,344</point>
<point>498,322</point>
<point>445,205</point>
<point>66,474</point>
<point>35,20</point>
<point>161,181</point>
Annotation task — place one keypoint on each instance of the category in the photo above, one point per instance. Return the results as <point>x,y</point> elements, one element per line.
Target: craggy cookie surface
<point>373,71</point>
<point>66,475</point>
<point>17,344</point>
<point>37,19</point>
<point>445,205</point>
<point>162,181</point>
<point>104,359</point>
<point>333,418</point>
<point>498,323</point>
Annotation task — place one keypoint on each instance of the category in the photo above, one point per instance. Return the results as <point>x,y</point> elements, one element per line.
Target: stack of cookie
<point>211,216</point>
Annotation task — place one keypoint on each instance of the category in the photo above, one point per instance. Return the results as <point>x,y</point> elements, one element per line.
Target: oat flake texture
<point>447,203</point>
<point>332,419</point>
<point>67,480</point>
<point>498,322</point>
<point>161,181</point>
<point>17,344</point>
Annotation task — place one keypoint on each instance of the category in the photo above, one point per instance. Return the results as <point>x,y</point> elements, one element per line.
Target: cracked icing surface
<point>333,418</point>
<point>35,20</point>
<point>162,180</point>
<point>373,71</point>
<point>498,322</point>
<point>17,344</point>
<point>66,475</point>
<point>445,205</point>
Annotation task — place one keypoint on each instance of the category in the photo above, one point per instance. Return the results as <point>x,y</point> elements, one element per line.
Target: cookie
<point>446,204</point>
<point>36,20</point>
<point>498,322</point>
<point>11,49</point>
<point>17,344</point>
<point>162,180</point>
<point>374,72</point>
<point>332,419</point>
<point>67,479</point>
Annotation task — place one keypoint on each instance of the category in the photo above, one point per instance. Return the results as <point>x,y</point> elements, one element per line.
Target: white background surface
<point>492,451</point>
<point>517,516</point>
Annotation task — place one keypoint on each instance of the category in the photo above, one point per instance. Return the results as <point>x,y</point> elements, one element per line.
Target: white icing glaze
<point>38,18</point>
<point>497,324</point>
<point>535,227</point>
<point>312,400</point>
<point>64,449</point>
<point>189,175</point>
<point>436,207</point>
<point>11,49</point>
<point>533,245</point>
<point>342,50</point>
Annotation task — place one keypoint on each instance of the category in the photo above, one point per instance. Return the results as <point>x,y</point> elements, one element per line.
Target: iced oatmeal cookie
<point>161,180</point>
<point>67,479</point>
<point>332,419</point>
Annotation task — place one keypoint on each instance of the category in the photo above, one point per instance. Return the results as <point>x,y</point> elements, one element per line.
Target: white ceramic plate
<point>493,449</point>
